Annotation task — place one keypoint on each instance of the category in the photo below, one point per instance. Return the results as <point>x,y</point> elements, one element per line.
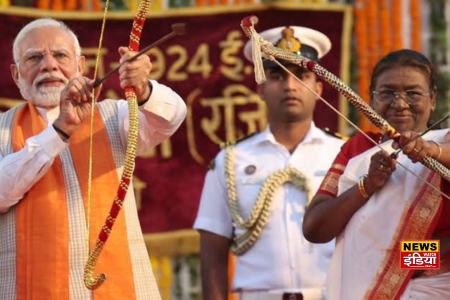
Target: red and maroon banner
<point>207,68</point>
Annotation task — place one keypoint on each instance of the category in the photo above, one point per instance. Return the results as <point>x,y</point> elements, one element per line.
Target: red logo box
<point>419,255</point>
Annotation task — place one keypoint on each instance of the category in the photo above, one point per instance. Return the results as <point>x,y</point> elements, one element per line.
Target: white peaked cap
<point>314,43</point>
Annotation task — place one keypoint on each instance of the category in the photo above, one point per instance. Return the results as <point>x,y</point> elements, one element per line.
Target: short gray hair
<point>39,23</point>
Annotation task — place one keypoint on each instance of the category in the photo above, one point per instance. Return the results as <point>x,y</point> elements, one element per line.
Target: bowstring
<point>91,137</point>
<point>356,127</point>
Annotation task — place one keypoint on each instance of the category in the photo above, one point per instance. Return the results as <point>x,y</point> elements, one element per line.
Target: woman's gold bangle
<point>361,187</point>
<point>440,149</point>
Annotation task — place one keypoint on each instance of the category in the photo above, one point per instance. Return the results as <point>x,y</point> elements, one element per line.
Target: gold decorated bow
<point>91,281</point>
<point>260,45</point>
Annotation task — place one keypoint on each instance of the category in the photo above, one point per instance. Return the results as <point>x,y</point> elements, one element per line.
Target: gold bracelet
<point>440,149</point>
<point>362,189</point>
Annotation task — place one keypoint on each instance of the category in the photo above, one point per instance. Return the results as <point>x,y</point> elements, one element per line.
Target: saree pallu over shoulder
<point>353,147</point>
<point>366,263</point>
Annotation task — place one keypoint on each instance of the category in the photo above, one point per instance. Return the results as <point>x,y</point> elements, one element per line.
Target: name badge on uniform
<point>253,180</point>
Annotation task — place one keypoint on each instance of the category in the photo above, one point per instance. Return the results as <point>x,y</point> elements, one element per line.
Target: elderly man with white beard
<point>47,218</point>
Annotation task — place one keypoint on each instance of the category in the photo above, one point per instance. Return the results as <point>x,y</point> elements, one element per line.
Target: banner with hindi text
<point>207,68</point>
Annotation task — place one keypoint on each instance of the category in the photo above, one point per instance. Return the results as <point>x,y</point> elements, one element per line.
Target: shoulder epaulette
<point>230,143</point>
<point>335,134</point>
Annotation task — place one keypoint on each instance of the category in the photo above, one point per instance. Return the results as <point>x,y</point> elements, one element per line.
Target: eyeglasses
<point>62,57</point>
<point>411,97</point>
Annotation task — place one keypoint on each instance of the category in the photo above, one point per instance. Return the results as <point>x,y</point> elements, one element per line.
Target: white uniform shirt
<point>159,118</point>
<point>281,258</point>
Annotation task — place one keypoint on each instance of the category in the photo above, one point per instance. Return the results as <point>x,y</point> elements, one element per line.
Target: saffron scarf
<point>42,222</point>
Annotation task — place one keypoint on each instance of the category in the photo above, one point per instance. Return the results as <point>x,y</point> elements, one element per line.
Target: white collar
<point>314,135</point>
<point>49,115</point>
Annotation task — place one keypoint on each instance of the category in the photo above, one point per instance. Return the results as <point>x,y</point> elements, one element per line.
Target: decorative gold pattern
<point>134,38</point>
<point>106,230</point>
<point>137,27</point>
<point>414,224</point>
<point>260,212</point>
<point>118,202</point>
<point>444,267</point>
<point>330,183</point>
<point>90,280</point>
<point>289,42</point>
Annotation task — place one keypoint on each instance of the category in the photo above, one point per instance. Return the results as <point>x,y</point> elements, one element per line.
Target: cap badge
<point>289,42</point>
<point>249,170</point>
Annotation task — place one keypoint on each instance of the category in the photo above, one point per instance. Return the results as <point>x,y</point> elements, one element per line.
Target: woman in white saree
<point>370,204</point>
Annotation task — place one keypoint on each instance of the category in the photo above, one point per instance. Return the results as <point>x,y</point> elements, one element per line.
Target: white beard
<point>46,97</point>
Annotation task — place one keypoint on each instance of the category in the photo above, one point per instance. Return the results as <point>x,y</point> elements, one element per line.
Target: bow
<point>90,280</point>
<point>247,25</point>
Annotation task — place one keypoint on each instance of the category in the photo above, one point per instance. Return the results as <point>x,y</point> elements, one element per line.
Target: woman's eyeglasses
<point>411,97</point>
